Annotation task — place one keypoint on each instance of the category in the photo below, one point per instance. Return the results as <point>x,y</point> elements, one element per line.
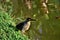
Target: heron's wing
<point>20,26</point>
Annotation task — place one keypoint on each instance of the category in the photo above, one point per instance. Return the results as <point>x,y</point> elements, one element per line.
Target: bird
<point>25,25</point>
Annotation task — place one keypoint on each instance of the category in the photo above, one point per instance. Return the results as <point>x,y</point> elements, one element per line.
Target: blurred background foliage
<point>46,26</point>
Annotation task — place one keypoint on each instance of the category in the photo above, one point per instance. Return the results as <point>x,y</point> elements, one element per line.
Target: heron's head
<point>30,19</point>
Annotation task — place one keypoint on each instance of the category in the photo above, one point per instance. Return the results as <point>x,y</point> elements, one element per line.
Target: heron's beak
<point>33,20</point>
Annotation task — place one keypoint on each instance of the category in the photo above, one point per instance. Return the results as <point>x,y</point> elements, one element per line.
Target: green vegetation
<point>7,29</point>
<point>7,23</point>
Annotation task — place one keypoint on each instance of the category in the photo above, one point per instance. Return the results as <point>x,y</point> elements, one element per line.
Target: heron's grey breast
<point>27,26</point>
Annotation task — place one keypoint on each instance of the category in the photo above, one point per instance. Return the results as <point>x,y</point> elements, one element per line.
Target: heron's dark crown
<point>30,19</point>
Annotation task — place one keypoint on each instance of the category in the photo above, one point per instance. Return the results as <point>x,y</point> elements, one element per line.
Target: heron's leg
<point>23,31</point>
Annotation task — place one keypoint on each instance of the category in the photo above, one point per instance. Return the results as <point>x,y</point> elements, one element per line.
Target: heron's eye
<point>29,19</point>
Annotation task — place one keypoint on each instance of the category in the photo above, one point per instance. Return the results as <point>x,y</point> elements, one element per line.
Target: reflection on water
<point>40,30</point>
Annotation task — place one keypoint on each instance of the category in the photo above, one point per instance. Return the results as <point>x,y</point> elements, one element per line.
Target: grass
<point>8,30</point>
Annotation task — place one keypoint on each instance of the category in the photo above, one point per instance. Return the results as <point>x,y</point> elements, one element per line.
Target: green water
<point>45,28</point>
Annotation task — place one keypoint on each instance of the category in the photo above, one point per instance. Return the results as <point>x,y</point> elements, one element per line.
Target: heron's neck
<point>28,22</point>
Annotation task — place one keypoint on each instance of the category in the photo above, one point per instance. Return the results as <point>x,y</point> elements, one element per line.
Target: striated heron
<point>24,26</point>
